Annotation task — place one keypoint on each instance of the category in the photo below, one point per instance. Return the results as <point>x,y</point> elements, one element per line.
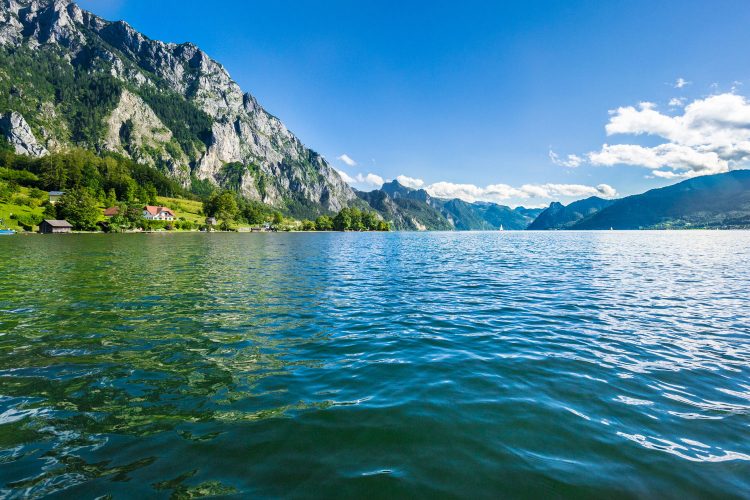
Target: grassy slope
<point>189,209</point>
<point>6,209</point>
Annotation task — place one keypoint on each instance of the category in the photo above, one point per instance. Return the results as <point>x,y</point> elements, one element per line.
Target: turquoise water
<point>581,365</point>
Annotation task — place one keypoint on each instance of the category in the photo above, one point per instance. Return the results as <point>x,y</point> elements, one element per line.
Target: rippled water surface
<point>338,365</point>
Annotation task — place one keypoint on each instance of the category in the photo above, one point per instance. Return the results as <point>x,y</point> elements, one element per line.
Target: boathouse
<point>55,227</point>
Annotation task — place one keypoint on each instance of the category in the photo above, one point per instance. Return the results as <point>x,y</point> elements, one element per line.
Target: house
<point>158,213</point>
<point>54,196</point>
<point>211,221</point>
<point>111,212</point>
<point>55,227</point>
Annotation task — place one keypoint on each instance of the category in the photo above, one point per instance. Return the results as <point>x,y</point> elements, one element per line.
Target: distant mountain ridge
<point>416,209</point>
<point>558,216</point>
<point>712,201</point>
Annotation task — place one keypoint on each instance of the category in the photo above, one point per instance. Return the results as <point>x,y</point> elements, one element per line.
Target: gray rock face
<point>242,131</point>
<point>15,129</point>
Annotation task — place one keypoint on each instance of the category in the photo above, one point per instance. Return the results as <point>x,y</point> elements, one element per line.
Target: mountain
<point>406,208</point>
<point>558,216</point>
<point>714,201</point>
<point>415,209</point>
<point>71,79</point>
<point>486,216</point>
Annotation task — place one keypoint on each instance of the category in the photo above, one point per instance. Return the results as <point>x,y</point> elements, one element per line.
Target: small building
<point>211,221</point>
<point>54,196</point>
<point>111,212</point>
<point>55,227</point>
<point>158,213</point>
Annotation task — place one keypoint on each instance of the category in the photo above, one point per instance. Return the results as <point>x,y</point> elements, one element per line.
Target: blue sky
<point>479,93</point>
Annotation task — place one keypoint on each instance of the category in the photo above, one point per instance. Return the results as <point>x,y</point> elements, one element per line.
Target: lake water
<point>581,365</point>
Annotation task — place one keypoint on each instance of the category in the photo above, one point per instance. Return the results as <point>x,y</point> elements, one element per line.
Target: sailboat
<point>502,228</point>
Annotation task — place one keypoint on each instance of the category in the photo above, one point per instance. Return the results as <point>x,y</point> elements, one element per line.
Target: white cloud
<point>364,181</point>
<point>345,158</point>
<point>677,102</point>
<point>500,193</point>
<point>712,135</point>
<point>346,177</point>
<point>681,83</point>
<point>572,161</point>
<point>528,194</point>
<point>410,182</point>
<point>373,180</point>
<point>673,156</point>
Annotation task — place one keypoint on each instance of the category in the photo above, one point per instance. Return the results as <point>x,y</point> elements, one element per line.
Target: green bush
<point>25,201</point>
<point>21,177</point>
<point>27,222</point>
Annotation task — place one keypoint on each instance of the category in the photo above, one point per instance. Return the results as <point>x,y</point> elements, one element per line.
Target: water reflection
<point>256,364</point>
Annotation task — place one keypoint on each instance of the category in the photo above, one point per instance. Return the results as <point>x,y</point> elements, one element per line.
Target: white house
<point>158,213</point>
<point>54,196</point>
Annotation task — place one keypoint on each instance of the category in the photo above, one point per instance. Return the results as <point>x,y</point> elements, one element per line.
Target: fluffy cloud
<point>362,180</point>
<point>677,102</point>
<point>503,192</point>
<point>712,135</point>
<point>345,158</point>
<point>410,182</point>
<point>572,161</point>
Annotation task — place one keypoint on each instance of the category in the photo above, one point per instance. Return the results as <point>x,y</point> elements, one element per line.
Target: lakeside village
<point>68,212</point>
<point>78,191</point>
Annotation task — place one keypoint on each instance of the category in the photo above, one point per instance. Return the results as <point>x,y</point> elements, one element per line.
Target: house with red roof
<point>158,213</point>
<point>111,211</point>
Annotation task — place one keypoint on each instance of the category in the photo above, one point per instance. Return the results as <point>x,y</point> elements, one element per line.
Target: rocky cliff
<point>163,104</point>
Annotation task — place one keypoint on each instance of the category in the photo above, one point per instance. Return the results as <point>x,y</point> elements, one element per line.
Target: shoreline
<point>83,233</point>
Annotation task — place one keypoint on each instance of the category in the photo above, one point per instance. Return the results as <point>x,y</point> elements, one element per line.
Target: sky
<point>518,102</point>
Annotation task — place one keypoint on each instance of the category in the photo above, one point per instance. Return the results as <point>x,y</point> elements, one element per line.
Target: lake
<point>515,364</point>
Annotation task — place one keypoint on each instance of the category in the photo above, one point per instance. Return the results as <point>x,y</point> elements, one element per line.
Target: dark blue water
<point>581,365</point>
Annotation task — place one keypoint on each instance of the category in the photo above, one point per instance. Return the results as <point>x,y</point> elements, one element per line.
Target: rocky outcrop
<point>134,130</point>
<point>279,167</point>
<point>15,129</point>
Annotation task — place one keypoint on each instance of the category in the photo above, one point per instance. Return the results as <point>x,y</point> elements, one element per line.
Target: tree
<point>79,207</point>
<point>53,173</point>
<point>226,207</point>
<point>324,223</point>
<point>130,190</point>
<point>111,199</point>
<point>356,223</point>
<point>222,206</point>
<point>129,216</point>
<point>370,221</point>
<point>255,213</point>
<point>343,220</point>
<point>50,211</point>
<point>278,218</point>
<point>308,225</point>
<point>149,195</point>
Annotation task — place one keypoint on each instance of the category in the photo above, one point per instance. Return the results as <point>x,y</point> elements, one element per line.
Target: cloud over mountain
<point>712,135</point>
<point>503,192</point>
<point>362,181</point>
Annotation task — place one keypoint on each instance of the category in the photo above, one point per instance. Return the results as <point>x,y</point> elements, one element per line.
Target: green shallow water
<point>581,365</point>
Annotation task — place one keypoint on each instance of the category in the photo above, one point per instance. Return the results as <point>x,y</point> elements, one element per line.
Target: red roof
<point>157,210</point>
<point>112,211</point>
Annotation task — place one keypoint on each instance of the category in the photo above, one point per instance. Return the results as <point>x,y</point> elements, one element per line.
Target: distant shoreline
<point>514,231</point>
